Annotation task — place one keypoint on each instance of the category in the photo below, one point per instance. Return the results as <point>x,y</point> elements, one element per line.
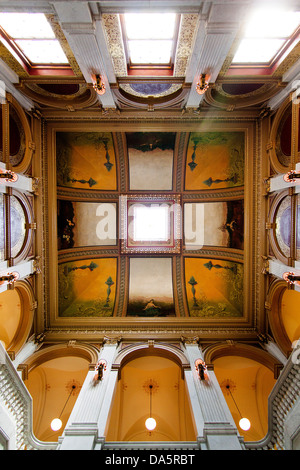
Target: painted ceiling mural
<point>89,220</point>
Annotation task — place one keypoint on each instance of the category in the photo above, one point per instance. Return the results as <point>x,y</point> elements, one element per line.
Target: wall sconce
<point>9,278</point>
<point>56,423</point>
<point>244,423</point>
<point>100,368</point>
<point>292,176</point>
<point>8,176</point>
<point>201,368</point>
<point>150,422</point>
<point>291,278</point>
<point>202,85</point>
<point>98,84</point>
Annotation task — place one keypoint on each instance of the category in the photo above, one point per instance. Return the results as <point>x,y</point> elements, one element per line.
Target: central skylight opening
<point>151,223</point>
<point>150,37</point>
<point>266,32</point>
<point>32,35</point>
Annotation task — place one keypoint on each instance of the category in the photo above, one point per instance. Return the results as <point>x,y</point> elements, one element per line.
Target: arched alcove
<point>246,385</point>
<point>16,316</point>
<point>280,324</point>
<point>10,315</point>
<point>170,402</point>
<point>289,309</point>
<point>55,377</point>
<point>246,377</point>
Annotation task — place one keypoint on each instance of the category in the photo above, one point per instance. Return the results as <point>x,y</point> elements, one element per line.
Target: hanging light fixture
<point>244,423</point>
<point>150,422</point>
<point>202,85</point>
<point>56,423</point>
<point>98,84</point>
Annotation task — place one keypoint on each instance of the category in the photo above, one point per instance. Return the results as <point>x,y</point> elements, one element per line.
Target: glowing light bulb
<point>150,424</point>
<point>244,424</point>
<point>56,424</point>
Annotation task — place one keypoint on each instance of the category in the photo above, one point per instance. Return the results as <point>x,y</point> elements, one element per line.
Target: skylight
<point>266,32</point>
<point>33,35</point>
<point>150,37</point>
<point>151,223</point>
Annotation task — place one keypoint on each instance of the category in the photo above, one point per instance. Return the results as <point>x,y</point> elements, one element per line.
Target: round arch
<point>47,353</point>
<point>245,374</point>
<point>274,299</point>
<point>279,161</point>
<point>275,207</point>
<point>216,351</point>
<point>143,349</point>
<point>24,164</point>
<point>29,231</point>
<point>160,366</point>
<point>27,300</point>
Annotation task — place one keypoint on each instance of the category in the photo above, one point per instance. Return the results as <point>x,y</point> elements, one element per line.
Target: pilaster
<point>87,423</point>
<point>214,424</point>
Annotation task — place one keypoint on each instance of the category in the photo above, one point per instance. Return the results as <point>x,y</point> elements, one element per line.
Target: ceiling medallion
<point>150,383</point>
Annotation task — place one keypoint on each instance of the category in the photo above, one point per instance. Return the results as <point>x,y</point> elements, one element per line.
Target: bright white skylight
<point>150,223</point>
<point>43,51</point>
<point>34,36</point>
<point>265,34</point>
<point>150,37</point>
<point>150,52</point>
<point>26,25</point>
<point>257,50</point>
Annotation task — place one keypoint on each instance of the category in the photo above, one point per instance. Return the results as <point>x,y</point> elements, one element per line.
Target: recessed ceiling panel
<point>151,160</point>
<point>214,288</point>
<point>151,288</point>
<point>215,160</point>
<point>86,288</point>
<point>86,160</point>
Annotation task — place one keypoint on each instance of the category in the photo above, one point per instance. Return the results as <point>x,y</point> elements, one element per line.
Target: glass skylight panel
<point>150,26</point>
<point>150,37</point>
<point>273,23</point>
<point>26,25</point>
<point>266,33</point>
<point>151,223</point>
<point>257,50</point>
<point>150,52</point>
<point>33,34</point>
<point>43,51</point>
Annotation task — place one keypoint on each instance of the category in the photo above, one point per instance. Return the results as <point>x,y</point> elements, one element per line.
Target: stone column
<point>215,426</point>
<point>86,427</point>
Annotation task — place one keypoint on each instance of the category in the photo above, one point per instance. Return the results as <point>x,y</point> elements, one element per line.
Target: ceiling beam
<point>86,38</point>
<point>216,33</point>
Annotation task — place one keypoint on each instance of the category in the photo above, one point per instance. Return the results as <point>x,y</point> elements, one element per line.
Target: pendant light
<point>150,422</point>
<point>56,423</point>
<point>244,423</point>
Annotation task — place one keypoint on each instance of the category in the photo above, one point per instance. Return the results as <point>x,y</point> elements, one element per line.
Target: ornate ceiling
<point>150,140</point>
